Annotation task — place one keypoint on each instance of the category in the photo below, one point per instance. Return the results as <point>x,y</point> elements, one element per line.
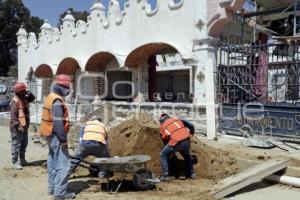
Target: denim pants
<point>183,147</point>
<point>58,167</point>
<point>98,150</point>
<point>19,142</point>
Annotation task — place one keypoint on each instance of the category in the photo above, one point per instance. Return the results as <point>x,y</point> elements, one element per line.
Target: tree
<point>13,71</point>
<point>13,14</point>
<point>78,15</point>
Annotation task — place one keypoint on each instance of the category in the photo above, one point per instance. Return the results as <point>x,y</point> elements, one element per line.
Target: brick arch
<point>222,15</point>
<point>68,66</point>
<point>145,51</point>
<point>43,71</point>
<point>98,61</point>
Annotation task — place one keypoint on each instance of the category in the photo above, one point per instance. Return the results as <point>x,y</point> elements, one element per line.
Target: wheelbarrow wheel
<point>140,179</point>
<point>94,171</point>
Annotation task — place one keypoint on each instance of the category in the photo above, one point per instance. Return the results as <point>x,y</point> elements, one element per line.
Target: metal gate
<point>258,87</point>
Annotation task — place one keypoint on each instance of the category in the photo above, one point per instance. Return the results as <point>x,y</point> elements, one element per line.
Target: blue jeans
<point>58,167</point>
<point>183,147</point>
<point>98,150</point>
<point>19,142</point>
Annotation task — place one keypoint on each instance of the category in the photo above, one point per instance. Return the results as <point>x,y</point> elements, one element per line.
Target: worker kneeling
<point>93,142</point>
<point>176,135</point>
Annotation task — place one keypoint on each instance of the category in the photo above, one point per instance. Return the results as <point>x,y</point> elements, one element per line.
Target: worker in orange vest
<point>19,123</point>
<point>176,134</point>
<point>92,142</point>
<point>55,126</point>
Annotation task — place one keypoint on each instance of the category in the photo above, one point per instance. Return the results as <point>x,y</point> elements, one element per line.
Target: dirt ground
<point>249,156</point>
<point>31,183</point>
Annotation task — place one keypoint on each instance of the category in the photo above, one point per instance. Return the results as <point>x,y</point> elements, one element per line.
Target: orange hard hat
<point>63,80</point>
<point>19,87</point>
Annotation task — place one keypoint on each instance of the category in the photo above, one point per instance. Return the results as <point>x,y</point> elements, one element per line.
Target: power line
<point>4,40</point>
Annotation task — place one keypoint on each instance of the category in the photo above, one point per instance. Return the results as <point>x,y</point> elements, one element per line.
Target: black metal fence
<point>259,88</point>
<point>266,73</point>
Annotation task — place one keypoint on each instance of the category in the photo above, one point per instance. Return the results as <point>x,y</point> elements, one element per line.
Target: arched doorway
<point>107,67</point>
<point>42,81</point>
<point>43,71</point>
<point>99,61</point>
<point>162,75</point>
<point>71,67</point>
<point>68,66</point>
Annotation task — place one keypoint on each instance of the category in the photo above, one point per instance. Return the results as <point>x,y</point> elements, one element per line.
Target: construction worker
<point>55,126</point>
<point>93,141</point>
<point>175,134</point>
<point>19,124</point>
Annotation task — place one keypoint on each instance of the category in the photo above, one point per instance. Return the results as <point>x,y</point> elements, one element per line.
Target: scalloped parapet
<point>114,16</point>
<point>115,30</point>
<point>22,37</point>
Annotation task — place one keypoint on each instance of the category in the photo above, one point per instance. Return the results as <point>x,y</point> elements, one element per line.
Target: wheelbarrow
<point>143,178</point>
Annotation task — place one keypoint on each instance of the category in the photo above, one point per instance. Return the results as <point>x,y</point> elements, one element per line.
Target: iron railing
<point>265,73</point>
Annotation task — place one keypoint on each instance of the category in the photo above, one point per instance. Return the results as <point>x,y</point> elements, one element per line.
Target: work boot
<point>165,178</point>
<point>23,162</point>
<point>18,166</point>
<point>192,176</point>
<point>50,192</point>
<point>70,195</point>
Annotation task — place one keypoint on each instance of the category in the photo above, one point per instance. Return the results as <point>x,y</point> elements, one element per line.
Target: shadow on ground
<point>252,187</point>
<point>37,163</point>
<point>104,186</point>
<point>79,186</point>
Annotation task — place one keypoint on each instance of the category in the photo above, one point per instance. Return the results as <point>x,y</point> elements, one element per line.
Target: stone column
<point>206,84</point>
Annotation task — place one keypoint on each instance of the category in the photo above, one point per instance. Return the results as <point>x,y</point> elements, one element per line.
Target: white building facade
<point>167,53</point>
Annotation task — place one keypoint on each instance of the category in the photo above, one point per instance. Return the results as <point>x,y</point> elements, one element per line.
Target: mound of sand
<point>140,135</point>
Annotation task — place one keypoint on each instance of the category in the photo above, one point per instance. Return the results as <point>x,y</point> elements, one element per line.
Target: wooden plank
<point>251,175</point>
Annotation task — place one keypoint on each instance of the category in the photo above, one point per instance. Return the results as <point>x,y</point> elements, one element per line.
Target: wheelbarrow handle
<point>82,160</point>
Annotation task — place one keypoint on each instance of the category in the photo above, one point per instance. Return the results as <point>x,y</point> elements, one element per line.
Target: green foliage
<point>13,71</point>
<point>78,15</point>
<point>13,14</point>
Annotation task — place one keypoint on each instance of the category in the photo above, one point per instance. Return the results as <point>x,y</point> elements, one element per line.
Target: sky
<point>51,9</point>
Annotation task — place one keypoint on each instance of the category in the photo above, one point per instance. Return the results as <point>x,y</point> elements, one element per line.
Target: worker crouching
<point>176,134</point>
<point>19,124</point>
<point>55,126</point>
<point>93,142</point>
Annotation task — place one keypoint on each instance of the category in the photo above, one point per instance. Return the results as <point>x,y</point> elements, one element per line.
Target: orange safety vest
<point>174,131</point>
<point>21,110</point>
<point>95,131</point>
<point>46,126</point>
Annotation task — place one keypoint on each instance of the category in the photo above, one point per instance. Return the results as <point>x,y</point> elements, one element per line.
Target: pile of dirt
<point>213,163</point>
<point>140,135</point>
<point>73,136</point>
